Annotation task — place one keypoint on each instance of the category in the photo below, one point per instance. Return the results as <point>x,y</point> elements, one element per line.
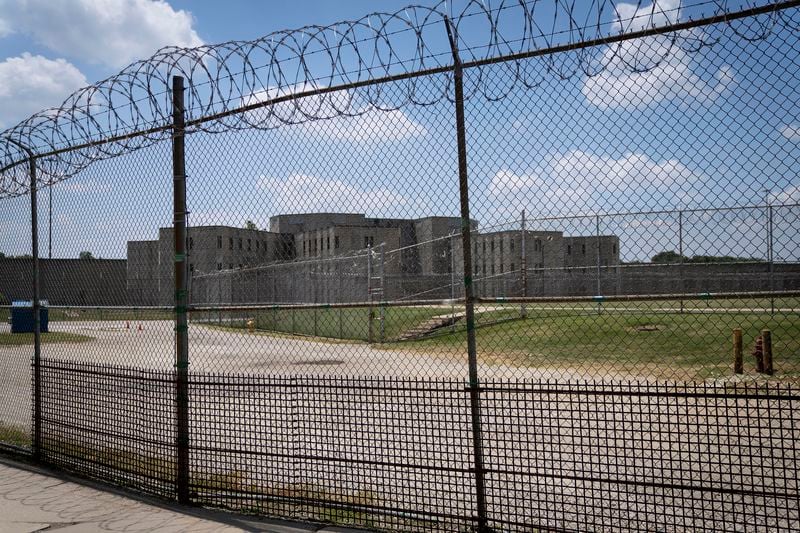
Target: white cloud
<point>791,132</point>
<point>581,182</point>
<point>110,32</point>
<point>322,116</point>
<point>507,183</point>
<point>29,83</point>
<point>790,195</point>
<point>303,193</point>
<point>84,186</point>
<point>635,17</point>
<point>645,71</point>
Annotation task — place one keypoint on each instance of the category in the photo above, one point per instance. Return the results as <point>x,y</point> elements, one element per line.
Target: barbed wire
<point>323,72</point>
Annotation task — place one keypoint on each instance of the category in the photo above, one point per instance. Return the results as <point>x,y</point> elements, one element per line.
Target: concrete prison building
<point>321,257</point>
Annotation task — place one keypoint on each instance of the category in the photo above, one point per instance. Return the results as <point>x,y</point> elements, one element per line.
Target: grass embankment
<point>336,323</point>
<point>23,339</point>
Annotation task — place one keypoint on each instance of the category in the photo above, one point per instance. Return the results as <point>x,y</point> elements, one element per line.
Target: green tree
<point>249,224</point>
<point>85,255</point>
<point>670,256</point>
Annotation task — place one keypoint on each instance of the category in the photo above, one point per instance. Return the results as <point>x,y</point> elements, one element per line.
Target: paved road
<point>618,460</point>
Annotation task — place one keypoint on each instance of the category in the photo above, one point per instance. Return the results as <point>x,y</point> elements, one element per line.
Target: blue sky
<point>701,129</point>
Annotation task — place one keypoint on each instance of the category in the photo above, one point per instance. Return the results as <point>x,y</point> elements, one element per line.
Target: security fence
<point>484,266</point>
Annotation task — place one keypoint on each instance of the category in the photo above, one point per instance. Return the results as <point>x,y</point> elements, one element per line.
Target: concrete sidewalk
<point>33,499</point>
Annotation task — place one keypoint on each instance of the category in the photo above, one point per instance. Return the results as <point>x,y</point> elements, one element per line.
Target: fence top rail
<point>704,296</point>
<point>227,81</point>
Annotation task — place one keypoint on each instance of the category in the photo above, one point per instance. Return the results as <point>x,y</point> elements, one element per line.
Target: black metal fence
<point>544,280</point>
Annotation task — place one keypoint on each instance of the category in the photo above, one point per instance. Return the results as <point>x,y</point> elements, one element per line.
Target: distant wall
<point>66,281</point>
<point>300,284</point>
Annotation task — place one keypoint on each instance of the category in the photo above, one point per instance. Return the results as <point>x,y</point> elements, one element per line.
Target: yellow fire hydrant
<point>250,326</point>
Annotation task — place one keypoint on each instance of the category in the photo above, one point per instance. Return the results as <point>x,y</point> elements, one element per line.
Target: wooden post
<point>758,353</point>
<point>738,359</point>
<point>766,335</point>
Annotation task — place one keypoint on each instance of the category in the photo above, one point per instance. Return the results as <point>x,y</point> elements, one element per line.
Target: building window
<point>304,247</point>
<point>230,266</point>
<point>368,241</point>
<point>492,269</point>
<point>511,245</point>
<point>240,243</point>
<point>569,249</point>
<point>258,245</point>
<point>501,246</point>
<point>476,270</point>
<point>230,243</point>
<point>219,242</point>
<point>219,266</point>
<point>484,251</point>
<point>501,268</point>
<point>336,241</point>
<point>328,242</point>
<point>264,246</point>
<point>613,248</point>
<point>249,245</point>
<point>583,249</point>
<point>191,243</point>
<point>492,245</point>
<point>484,269</point>
<point>512,267</point>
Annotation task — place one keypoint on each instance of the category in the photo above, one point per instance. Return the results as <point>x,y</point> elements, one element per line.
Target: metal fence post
<point>770,255</point>
<point>371,313</point>
<point>523,311</point>
<point>680,255</point>
<point>452,283</point>
<point>181,295</point>
<point>599,287</point>
<point>37,323</point>
<point>469,303</point>
<point>35,305</point>
<point>383,292</point>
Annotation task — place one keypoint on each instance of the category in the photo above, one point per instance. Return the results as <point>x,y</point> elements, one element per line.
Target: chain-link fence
<point>540,273</point>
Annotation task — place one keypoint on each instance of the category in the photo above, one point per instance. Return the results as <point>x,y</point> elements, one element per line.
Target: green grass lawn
<point>696,343</point>
<point>22,339</point>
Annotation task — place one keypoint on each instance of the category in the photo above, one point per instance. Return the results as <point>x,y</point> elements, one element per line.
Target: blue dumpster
<point>22,316</point>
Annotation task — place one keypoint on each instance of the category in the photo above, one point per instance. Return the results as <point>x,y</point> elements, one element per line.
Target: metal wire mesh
<point>608,338</point>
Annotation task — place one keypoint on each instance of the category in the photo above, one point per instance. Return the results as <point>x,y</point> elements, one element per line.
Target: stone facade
<point>295,248</point>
